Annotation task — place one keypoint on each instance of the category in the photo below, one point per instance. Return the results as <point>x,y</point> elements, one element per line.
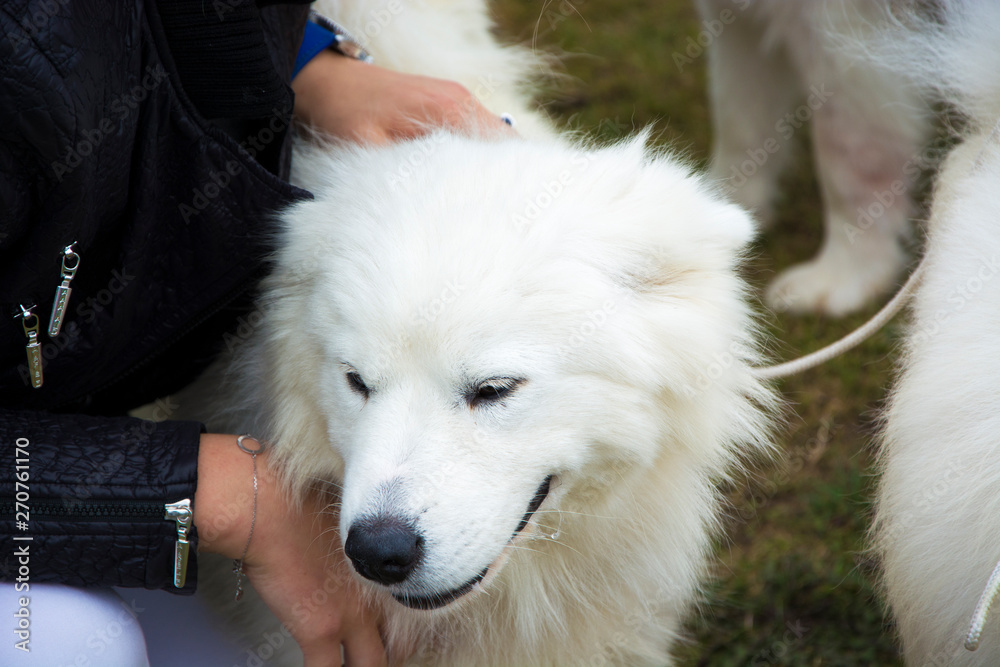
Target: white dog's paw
<point>835,283</point>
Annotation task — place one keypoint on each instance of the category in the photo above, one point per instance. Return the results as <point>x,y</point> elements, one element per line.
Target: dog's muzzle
<point>386,550</point>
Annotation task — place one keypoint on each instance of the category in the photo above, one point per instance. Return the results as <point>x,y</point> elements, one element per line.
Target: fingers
<point>422,104</point>
<point>362,640</point>
<point>345,98</point>
<point>357,640</point>
<point>326,654</point>
<point>354,652</point>
<point>363,648</point>
<point>298,569</point>
<point>458,108</point>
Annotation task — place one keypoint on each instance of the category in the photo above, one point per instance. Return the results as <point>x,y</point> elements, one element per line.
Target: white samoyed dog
<point>526,363</point>
<point>779,70</point>
<point>938,520</point>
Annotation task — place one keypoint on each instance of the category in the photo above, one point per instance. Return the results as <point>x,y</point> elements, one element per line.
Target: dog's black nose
<point>383,549</point>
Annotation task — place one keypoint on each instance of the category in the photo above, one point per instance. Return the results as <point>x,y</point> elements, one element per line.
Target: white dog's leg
<point>866,171</point>
<point>751,87</point>
<point>868,128</point>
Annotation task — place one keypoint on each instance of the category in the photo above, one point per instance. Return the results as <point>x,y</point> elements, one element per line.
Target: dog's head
<point>490,330</point>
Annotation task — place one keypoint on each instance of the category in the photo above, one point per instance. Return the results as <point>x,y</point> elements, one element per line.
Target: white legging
<point>126,627</point>
<point>69,626</point>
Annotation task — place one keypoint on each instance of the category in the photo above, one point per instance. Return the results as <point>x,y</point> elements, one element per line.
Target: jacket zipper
<point>70,265</point>
<point>30,321</point>
<point>180,512</point>
<point>33,348</point>
<point>119,510</point>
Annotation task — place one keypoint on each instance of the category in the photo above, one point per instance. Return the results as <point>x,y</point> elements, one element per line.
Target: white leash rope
<point>982,610</point>
<point>852,339</point>
<point>888,311</point>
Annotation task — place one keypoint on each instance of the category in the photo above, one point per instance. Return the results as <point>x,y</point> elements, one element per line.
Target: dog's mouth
<point>439,600</point>
<point>540,495</point>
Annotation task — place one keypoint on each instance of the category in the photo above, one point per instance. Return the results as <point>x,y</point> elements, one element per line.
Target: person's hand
<point>350,99</point>
<point>295,561</point>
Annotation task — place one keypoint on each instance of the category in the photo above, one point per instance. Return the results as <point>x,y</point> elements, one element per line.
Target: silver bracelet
<point>238,563</point>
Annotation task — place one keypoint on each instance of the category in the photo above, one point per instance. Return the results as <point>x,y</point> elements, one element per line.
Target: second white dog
<point>939,501</point>
<point>783,70</point>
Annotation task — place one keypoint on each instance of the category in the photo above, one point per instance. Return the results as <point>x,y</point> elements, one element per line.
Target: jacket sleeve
<point>110,154</point>
<point>83,499</point>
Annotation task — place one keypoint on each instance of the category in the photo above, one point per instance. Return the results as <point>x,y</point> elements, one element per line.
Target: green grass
<point>794,584</point>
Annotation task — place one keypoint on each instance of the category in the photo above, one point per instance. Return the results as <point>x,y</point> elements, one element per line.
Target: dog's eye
<point>493,391</point>
<point>357,384</point>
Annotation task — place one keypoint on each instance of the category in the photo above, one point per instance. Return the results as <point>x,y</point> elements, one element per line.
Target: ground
<point>794,585</point>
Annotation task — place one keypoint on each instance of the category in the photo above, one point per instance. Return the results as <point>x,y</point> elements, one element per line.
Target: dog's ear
<point>667,220</point>
<point>674,315</point>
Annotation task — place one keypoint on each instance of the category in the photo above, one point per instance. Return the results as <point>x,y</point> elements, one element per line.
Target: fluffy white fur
<point>780,69</point>
<point>605,281</point>
<point>939,500</point>
<point>618,306</point>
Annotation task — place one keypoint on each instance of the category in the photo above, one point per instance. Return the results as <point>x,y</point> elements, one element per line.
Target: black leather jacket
<point>104,142</point>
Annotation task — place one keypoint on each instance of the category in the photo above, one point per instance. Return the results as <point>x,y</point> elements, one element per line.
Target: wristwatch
<point>322,34</point>
<point>343,41</point>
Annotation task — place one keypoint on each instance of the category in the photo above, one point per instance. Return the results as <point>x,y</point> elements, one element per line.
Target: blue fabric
<point>315,40</point>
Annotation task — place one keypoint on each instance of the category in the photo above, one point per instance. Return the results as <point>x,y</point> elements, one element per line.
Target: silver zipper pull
<point>70,263</point>
<point>33,348</point>
<point>180,512</point>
